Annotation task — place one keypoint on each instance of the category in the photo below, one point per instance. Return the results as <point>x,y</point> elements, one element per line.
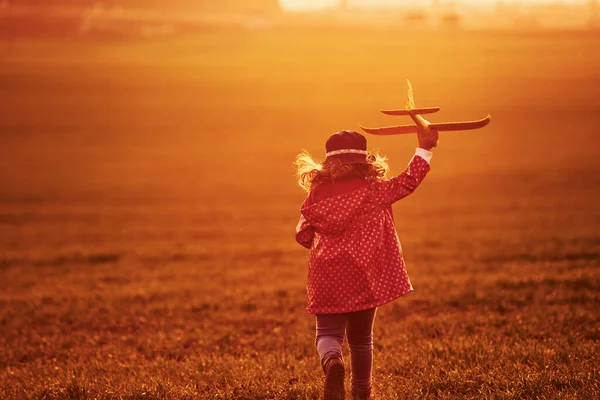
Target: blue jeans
<point>358,327</point>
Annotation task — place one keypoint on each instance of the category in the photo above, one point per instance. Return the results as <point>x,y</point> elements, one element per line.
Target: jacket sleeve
<point>305,233</point>
<point>390,191</point>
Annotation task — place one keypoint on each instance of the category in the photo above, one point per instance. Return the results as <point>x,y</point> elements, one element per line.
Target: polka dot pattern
<point>355,260</point>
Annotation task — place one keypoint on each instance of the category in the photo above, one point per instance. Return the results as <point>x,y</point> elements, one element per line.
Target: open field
<point>148,202</point>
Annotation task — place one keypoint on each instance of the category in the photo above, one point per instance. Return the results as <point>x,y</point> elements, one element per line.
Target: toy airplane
<point>422,123</point>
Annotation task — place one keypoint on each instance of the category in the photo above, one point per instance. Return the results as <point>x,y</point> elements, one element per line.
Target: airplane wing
<point>391,130</point>
<point>462,126</point>
<point>446,126</point>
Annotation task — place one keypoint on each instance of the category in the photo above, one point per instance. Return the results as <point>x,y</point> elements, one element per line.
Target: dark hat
<point>349,147</point>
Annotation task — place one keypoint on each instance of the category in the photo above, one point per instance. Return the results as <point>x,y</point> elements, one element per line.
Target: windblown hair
<point>311,173</point>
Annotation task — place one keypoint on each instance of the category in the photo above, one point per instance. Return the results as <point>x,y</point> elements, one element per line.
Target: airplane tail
<point>410,103</point>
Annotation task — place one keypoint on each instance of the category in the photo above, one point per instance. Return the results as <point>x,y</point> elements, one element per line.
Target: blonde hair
<point>311,173</point>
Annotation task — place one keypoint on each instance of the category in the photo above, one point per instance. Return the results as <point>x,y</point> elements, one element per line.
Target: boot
<point>361,396</point>
<point>334,379</point>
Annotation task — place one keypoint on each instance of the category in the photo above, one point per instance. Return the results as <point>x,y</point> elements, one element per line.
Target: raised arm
<point>388,192</point>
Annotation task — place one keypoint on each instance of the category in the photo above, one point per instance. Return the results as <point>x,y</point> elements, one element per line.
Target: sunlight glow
<point>307,5</point>
<point>315,5</point>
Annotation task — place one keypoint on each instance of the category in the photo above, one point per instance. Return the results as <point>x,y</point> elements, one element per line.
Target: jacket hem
<point>317,310</point>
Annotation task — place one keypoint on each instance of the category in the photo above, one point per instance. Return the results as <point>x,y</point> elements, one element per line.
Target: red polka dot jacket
<point>355,260</point>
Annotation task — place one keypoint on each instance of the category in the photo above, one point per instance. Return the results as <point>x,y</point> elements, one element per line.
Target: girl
<point>355,262</point>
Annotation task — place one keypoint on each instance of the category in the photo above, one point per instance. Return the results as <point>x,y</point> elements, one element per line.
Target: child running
<point>355,263</point>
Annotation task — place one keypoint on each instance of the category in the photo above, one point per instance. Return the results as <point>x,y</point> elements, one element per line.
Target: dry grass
<point>147,207</point>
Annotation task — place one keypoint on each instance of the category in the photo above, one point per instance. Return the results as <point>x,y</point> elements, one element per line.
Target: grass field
<point>148,206</point>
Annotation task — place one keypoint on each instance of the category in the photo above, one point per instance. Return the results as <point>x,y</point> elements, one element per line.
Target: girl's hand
<point>428,139</point>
